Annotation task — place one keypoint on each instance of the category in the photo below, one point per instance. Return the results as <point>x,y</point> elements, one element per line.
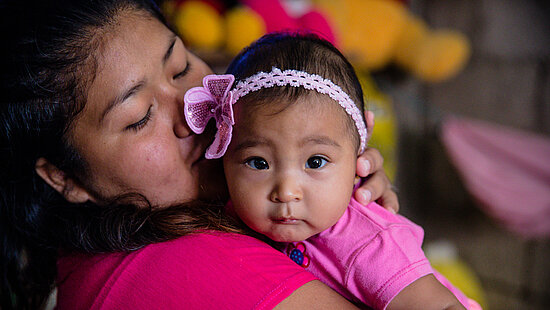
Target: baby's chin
<point>287,236</point>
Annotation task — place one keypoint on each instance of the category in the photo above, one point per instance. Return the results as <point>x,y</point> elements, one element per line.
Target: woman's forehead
<point>135,37</point>
<point>131,53</point>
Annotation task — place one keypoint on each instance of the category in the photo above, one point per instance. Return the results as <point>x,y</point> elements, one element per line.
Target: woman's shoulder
<point>194,271</point>
<point>209,240</point>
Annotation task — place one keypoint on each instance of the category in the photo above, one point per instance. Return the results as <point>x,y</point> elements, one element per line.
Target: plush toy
<point>188,15</point>
<point>243,25</point>
<point>231,29</point>
<point>431,55</point>
<point>371,33</point>
<point>274,15</point>
<point>375,33</point>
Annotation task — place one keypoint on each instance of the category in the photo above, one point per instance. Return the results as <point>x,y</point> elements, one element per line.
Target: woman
<point>97,158</point>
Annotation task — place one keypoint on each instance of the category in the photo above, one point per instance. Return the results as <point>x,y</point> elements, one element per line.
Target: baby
<point>290,130</point>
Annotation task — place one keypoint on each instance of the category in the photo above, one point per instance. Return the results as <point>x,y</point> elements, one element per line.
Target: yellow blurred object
<point>367,29</point>
<point>431,55</point>
<point>199,24</point>
<point>384,136</point>
<point>408,44</point>
<point>444,258</point>
<point>442,54</point>
<point>243,26</point>
<point>375,33</point>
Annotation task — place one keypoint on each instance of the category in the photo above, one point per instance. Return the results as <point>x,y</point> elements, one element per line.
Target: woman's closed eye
<point>183,72</point>
<point>142,122</point>
<point>257,163</point>
<point>316,162</point>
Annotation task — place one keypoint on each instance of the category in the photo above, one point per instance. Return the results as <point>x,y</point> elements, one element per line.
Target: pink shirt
<point>203,271</point>
<point>368,256</point>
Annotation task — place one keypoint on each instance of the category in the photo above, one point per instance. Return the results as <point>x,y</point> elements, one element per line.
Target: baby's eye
<point>316,162</point>
<point>257,163</point>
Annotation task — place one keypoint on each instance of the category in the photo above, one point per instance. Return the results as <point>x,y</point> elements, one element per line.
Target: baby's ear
<point>58,180</point>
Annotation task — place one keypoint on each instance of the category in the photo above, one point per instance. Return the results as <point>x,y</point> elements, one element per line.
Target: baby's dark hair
<point>297,51</point>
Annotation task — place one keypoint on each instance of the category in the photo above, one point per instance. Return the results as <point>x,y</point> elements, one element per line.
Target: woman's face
<point>132,133</point>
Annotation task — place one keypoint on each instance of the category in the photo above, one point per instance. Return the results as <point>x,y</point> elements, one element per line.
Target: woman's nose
<point>181,129</point>
<point>286,190</point>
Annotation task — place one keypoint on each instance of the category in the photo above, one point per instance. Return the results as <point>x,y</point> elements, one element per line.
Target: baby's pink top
<point>369,255</point>
<point>203,271</point>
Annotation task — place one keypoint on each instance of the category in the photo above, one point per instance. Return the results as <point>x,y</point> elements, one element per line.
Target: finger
<point>378,188</point>
<point>370,161</point>
<point>363,195</point>
<point>389,201</point>
<point>369,118</point>
<point>372,188</point>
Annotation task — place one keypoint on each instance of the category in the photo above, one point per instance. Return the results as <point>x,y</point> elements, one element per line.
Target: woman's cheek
<point>164,178</point>
<point>158,161</point>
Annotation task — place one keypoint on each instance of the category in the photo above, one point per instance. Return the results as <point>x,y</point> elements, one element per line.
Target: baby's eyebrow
<point>250,143</point>
<point>315,139</point>
<point>319,140</point>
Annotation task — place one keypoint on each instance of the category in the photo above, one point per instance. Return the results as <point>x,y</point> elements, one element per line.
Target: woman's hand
<point>376,185</point>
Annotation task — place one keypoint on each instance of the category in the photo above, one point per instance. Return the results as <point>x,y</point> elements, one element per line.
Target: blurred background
<point>461,94</point>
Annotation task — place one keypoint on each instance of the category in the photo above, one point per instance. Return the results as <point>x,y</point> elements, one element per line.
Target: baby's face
<point>290,173</point>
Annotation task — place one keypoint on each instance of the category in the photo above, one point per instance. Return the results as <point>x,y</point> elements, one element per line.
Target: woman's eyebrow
<point>169,50</point>
<point>121,98</point>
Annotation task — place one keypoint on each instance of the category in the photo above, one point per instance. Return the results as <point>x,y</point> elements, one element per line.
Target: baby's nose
<point>287,190</point>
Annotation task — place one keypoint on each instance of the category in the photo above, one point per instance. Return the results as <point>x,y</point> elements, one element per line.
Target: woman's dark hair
<point>48,60</point>
<point>296,51</point>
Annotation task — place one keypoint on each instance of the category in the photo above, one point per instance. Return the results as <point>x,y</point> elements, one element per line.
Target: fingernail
<point>366,195</point>
<point>392,211</point>
<point>366,164</point>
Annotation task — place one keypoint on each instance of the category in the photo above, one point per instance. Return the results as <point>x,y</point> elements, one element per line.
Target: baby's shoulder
<point>377,217</point>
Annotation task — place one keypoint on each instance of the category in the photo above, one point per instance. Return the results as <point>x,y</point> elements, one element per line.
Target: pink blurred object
<point>277,18</point>
<point>506,170</point>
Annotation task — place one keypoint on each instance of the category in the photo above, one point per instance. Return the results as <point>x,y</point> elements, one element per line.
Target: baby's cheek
<point>247,201</point>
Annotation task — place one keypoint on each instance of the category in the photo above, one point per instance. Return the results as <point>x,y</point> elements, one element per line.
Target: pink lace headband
<point>216,98</point>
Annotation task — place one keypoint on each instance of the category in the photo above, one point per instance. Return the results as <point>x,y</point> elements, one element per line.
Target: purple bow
<point>214,100</point>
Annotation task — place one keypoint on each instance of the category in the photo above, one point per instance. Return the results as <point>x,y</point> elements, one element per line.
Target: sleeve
<point>206,271</point>
<point>387,264</point>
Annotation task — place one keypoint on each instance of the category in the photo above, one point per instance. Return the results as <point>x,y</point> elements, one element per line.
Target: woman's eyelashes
<point>142,122</point>
<point>184,72</point>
